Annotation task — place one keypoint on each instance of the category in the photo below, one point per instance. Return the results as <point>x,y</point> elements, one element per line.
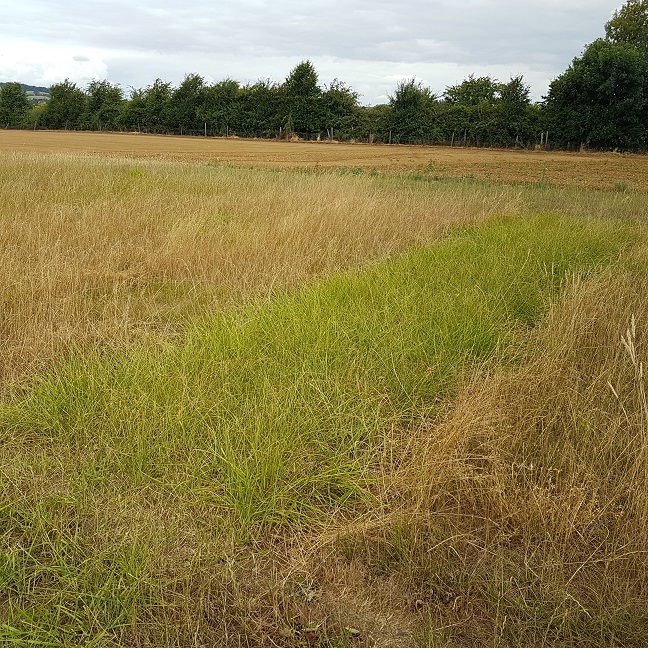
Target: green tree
<point>303,110</point>
<point>260,106</point>
<point>103,105</point>
<point>221,107</point>
<point>470,109</point>
<point>186,103</point>
<point>133,112</point>
<point>515,119</point>
<point>374,122</point>
<point>340,110</point>
<point>66,106</point>
<point>629,25</point>
<point>157,107</point>
<point>602,98</point>
<point>35,116</point>
<point>14,104</point>
<point>480,91</point>
<point>412,113</point>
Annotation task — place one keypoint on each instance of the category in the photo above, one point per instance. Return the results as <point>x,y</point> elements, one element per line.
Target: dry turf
<point>297,406</point>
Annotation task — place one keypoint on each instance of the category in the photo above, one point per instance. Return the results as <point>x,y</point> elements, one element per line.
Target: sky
<point>371,45</point>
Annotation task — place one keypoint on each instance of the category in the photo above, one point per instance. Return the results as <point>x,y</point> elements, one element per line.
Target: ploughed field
<point>251,395</point>
<point>597,170</point>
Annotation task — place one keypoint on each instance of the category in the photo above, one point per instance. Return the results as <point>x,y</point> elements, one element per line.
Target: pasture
<point>291,394</point>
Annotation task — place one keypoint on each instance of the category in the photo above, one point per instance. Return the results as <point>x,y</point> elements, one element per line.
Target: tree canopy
<point>601,100</point>
<point>14,104</point>
<point>66,105</point>
<point>103,105</point>
<point>629,25</point>
<point>303,110</point>
<point>412,111</point>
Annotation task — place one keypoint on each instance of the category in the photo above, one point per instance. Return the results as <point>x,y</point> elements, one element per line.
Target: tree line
<point>600,101</point>
<point>478,111</point>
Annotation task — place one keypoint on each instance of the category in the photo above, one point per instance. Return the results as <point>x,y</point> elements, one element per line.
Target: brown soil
<point>596,170</point>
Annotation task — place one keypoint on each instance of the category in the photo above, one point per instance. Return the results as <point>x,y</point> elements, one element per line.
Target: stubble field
<point>593,170</point>
<point>254,396</point>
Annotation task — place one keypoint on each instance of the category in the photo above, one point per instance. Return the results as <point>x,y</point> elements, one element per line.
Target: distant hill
<point>35,94</point>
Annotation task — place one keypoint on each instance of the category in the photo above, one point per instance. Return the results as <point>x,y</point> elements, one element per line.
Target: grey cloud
<point>475,30</point>
<point>81,59</point>
<point>205,36</point>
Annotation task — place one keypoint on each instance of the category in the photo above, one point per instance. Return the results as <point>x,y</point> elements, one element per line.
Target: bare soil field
<point>595,170</point>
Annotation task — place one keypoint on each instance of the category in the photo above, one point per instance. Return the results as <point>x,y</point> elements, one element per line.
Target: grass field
<point>287,407</point>
<point>594,170</point>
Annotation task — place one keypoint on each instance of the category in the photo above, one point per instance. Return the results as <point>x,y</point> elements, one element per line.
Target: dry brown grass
<point>98,250</point>
<point>594,170</point>
<point>522,517</point>
<point>518,518</point>
<point>107,250</point>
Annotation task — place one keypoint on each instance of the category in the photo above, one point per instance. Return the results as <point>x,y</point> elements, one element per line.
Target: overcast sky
<point>369,44</point>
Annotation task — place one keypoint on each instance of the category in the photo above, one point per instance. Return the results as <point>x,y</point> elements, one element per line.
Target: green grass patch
<point>275,413</point>
<point>271,416</point>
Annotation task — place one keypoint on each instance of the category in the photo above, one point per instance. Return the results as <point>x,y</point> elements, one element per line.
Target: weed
<point>136,172</point>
